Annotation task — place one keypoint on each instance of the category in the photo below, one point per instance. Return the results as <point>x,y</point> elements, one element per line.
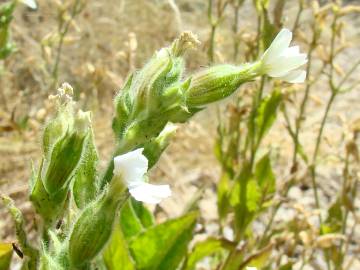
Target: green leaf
<point>5,256</point>
<point>253,196</point>
<point>144,215</point>
<point>85,186</point>
<point>163,246</point>
<point>206,248</point>
<point>261,260</point>
<point>129,222</point>
<point>266,114</point>
<point>264,175</point>
<point>243,198</point>
<point>116,254</point>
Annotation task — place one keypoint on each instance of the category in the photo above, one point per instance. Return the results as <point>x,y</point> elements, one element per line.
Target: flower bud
<point>218,82</point>
<point>152,95</point>
<point>64,159</point>
<point>49,207</point>
<point>65,155</point>
<point>94,226</point>
<point>141,98</point>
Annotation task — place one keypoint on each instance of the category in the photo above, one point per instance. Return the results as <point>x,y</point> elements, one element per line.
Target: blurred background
<point>94,45</point>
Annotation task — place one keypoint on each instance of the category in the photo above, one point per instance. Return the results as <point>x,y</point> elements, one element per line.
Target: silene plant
<point>97,220</point>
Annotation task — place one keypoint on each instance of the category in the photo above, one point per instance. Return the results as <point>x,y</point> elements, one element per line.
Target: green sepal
<point>86,186</point>
<point>65,157</point>
<point>49,207</point>
<point>218,82</point>
<point>94,226</point>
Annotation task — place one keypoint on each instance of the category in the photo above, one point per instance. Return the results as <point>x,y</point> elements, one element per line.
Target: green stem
<point>253,147</point>
<point>63,32</point>
<point>298,15</point>
<point>235,30</point>
<point>344,221</point>
<point>212,43</point>
<point>317,147</point>
<point>304,101</point>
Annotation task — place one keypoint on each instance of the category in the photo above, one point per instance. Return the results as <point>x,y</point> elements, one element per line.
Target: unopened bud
<point>94,226</point>
<point>65,157</point>
<point>149,97</point>
<point>218,82</point>
<point>47,206</point>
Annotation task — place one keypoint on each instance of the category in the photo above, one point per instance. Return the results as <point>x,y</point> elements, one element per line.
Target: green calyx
<point>65,157</point>
<point>94,226</point>
<point>219,82</point>
<point>150,98</point>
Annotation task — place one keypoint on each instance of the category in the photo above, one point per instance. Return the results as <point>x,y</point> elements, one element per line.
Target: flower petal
<point>286,64</point>
<point>279,44</point>
<point>292,51</point>
<point>131,166</point>
<point>30,3</point>
<point>149,193</point>
<point>295,76</point>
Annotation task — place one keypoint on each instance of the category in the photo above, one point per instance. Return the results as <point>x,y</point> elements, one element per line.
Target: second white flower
<point>132,167</point>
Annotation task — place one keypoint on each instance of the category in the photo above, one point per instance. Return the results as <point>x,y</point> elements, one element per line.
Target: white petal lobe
<point>30,3</point>
<point>296,76</point>
<point>149,193</point>
<point>132,167</point>
<point>281,61</point>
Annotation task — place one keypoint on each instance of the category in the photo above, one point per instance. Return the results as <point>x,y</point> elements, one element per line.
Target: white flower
<point>29,3</point>
<point>132,167</point>
<point>281,61</point>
